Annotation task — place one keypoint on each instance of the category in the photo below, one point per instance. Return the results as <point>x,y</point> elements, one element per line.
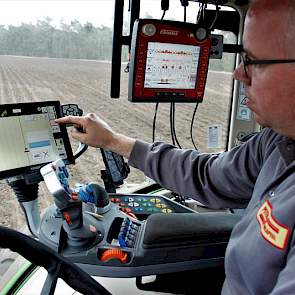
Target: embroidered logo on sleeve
<point>272,231</point>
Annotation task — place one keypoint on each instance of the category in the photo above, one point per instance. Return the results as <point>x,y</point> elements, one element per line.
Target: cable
<point>172,125</point>
<point>192,123</point>
<point>164,7</point>
<point>184,3</point>
<point>216,16</point>
<point>201,12</point>
<point>154,121</point>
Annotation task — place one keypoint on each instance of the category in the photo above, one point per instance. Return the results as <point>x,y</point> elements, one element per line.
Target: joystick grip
<point>101,197</point>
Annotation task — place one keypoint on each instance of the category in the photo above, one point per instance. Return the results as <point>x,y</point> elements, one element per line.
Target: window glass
<point>212,119</point>
<point>61,50</point>
<point>57,50</point>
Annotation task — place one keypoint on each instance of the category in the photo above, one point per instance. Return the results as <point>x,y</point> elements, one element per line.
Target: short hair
<point>275,5</point>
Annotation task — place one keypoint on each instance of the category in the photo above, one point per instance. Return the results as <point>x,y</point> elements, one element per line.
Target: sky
<point>98,12</point>
<point>17,11</point>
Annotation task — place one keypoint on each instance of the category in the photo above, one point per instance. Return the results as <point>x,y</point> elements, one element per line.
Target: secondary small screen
<point>171,66</point>
<point>30,139</point>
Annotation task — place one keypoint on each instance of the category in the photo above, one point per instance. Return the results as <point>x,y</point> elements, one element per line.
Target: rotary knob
<point>114,254</point>
<point>149,30</point>
<point>201,34</point>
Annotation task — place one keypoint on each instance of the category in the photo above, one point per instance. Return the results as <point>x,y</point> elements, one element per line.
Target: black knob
<point>101,197</point>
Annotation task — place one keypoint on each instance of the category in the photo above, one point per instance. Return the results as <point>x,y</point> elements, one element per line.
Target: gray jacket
<point>259,176</point>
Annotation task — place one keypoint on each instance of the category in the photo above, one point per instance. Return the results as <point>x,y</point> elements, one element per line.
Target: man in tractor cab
<point>258,175</point>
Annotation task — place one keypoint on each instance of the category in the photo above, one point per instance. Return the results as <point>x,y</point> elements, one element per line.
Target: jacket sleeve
<point>225,180</point>
<point>285,283</point>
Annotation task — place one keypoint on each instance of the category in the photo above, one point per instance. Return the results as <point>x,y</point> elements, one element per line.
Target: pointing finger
<point>69,119</point>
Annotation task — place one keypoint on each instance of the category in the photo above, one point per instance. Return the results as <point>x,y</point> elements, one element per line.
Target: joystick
<point>100,197</point>
<point>80,232</point>
<point>94,193</point>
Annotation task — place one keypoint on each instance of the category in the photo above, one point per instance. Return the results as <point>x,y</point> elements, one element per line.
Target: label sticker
<point>271,230</point>
<point>214,136</point>
<point>243,112</point>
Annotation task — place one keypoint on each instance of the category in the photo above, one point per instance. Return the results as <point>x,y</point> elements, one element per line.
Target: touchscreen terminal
<point>169,61</point>
<point>30,138</point>
<point>171,65</point>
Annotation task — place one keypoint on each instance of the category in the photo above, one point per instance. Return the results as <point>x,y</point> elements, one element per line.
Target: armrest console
<point>193,228</point>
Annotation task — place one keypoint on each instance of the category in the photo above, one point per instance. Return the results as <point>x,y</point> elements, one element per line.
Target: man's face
<point>270,88</point>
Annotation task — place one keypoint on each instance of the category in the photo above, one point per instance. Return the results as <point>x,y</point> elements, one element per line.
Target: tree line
<point>74,40</point>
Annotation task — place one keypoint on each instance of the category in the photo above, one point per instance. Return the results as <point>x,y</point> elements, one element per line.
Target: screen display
<point>29,136</point>
<point>171,65</point>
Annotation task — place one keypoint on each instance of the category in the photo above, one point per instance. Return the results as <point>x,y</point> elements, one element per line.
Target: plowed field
<point>87,83</point>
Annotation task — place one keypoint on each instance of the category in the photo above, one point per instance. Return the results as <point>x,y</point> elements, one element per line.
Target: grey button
<point>271,193</point>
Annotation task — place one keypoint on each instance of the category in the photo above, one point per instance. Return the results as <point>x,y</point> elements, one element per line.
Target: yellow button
<point>166,210</point>
<point>161,205</point>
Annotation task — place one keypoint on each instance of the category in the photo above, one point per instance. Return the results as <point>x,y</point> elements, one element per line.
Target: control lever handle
<point>56,178</point>
<point>79,234</point>
<point>96,194</point>
<point>74,110</point>
<point>101,197</point>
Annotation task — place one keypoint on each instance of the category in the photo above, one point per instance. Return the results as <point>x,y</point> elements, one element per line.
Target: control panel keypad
<point>128,233</point>
<point>142,205</point>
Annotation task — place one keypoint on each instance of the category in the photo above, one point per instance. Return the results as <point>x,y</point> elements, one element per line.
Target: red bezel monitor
<point>169,61</point>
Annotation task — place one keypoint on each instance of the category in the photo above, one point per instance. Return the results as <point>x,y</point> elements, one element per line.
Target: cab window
<point>61,50</point>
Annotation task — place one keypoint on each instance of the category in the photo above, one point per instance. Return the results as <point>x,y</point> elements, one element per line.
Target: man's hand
<point>93,131</point>
<point>90,129</point>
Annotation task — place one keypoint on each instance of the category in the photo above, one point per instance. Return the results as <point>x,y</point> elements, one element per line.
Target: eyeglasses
<point>247,61</point>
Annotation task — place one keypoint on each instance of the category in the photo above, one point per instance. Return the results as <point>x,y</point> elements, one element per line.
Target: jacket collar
<point>287,150</point>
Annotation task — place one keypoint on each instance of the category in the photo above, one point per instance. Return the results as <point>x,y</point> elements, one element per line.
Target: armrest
<point>177,228</point>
